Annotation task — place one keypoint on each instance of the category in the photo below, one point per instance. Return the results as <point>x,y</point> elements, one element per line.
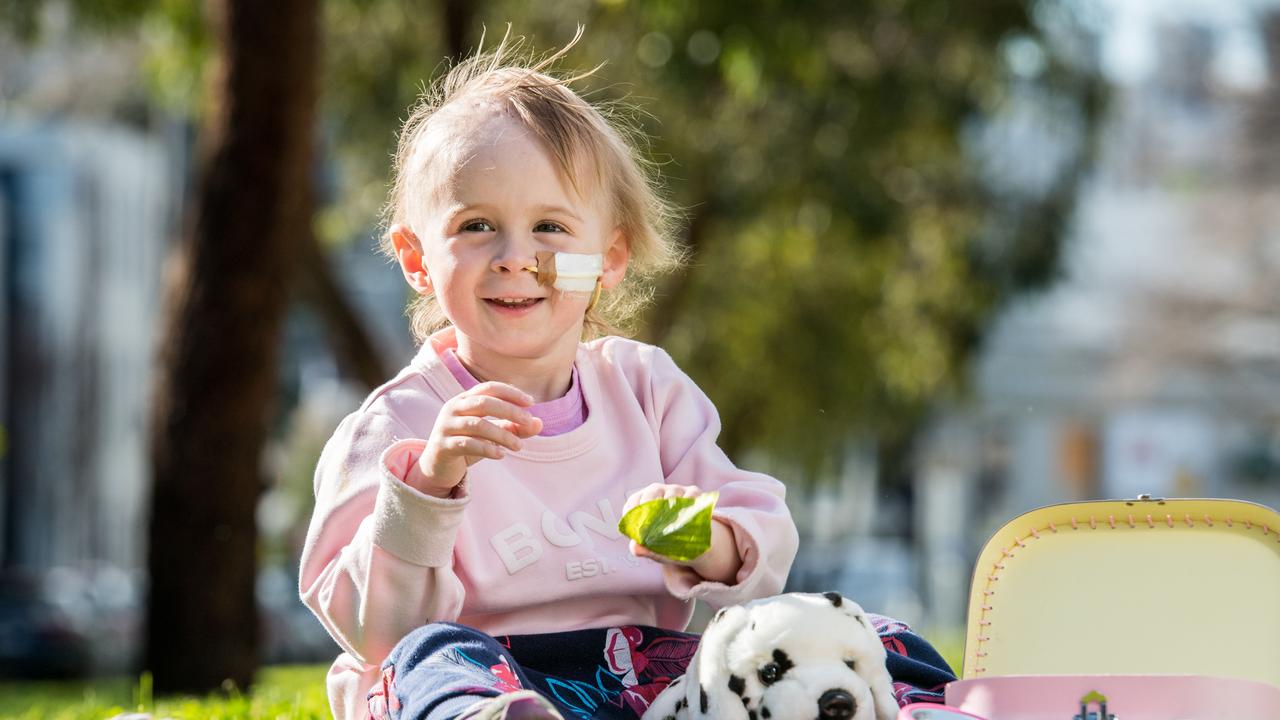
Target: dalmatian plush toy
<point>797,656</point>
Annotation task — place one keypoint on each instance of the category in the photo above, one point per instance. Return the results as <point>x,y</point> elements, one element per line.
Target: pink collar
<point>559,416</point>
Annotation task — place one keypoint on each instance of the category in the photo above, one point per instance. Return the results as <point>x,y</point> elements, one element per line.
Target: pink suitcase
<point>1146,609</point>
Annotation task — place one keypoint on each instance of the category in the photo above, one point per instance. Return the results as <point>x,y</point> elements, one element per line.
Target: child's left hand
<point>720,563</point>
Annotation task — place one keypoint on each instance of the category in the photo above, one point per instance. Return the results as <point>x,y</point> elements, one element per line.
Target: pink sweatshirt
<point>530,542</point>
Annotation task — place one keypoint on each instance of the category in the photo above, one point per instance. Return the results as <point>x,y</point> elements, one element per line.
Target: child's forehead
<point>497,141</point>
<point>489,132</point>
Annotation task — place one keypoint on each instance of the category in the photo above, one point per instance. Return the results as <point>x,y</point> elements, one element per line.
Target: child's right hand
<point>473,425</point>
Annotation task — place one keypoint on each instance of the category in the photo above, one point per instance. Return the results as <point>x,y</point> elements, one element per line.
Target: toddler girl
<point>464,550</point>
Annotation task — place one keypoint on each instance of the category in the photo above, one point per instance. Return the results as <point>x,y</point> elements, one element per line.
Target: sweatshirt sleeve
<point>752,503</point>
<point>378,558</point>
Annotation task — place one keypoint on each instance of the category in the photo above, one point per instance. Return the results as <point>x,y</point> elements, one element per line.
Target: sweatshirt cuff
<point>685,584</point>
<point>412,525</point>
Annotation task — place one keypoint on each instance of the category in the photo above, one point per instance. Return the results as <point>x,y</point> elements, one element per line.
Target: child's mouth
<point>514,303</point>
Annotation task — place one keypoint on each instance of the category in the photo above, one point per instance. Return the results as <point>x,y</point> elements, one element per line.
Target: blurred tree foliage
<point>848,241</point>
<point>851,231</point>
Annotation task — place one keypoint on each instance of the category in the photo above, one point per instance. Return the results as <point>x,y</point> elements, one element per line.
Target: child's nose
<point>514,255</point>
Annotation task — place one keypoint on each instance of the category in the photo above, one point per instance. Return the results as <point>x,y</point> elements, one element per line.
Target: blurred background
<point>948,263</point>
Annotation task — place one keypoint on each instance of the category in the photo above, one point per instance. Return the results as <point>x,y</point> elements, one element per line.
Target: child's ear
<point>615,259</point>
<point>409,254</point>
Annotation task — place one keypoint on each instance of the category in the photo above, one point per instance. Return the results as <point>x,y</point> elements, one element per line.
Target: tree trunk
<point>226,292</point>
<point>456,16</point>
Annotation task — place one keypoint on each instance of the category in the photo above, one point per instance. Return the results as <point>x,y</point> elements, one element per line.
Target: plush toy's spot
<point>702,699</point>
<point>751,714</point>
<point>737,685</point>
<point>764,713</point>
<point>784,662</point>
<point>836,598</point>
<point>776,670</point>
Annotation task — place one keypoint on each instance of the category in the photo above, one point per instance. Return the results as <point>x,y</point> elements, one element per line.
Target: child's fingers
<point>526,425</point>
<point>680,491</point>
<point>524,429</point>
<point>660,491</point>
<point>639,497</point>
<point>487,405</point>
<point>641,551</point>
<point>481,429</point>
<point>528,430</point>
<point>473,449</point>
<point>529,425</point>
<point>652,492</point>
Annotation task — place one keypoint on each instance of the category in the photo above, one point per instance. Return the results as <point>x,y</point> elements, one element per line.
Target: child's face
<point>507,201</point>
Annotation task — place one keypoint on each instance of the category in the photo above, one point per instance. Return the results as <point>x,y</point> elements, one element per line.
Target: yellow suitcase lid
<point>1145,586</point>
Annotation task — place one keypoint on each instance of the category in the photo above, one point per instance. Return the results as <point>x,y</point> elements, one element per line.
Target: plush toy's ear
<point>711,689</point>
<point>703,691</point>
<point>882,694</point>
<point>876,674</point>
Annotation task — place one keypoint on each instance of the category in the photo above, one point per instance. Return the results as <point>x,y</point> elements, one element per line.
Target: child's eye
<point>548,227</point>
<point>477,226</point>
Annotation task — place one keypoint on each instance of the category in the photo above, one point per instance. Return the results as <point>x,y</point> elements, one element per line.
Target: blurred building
<point>1151,366</point>
<point>88,211</point>
<point>1154,365</point>
<point>86,214</point>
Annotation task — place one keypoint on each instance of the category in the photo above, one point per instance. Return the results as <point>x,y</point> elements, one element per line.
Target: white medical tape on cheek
<point>569,272</point>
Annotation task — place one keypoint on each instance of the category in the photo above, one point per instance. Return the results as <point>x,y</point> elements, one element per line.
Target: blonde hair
<point>578,136</point>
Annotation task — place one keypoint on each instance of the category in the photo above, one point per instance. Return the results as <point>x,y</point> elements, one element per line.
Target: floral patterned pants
<point>439,670</point>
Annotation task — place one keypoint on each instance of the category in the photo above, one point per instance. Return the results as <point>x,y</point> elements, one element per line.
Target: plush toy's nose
<point>836,705</point>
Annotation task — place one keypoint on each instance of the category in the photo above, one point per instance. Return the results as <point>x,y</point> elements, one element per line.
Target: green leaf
<point>678,528</point>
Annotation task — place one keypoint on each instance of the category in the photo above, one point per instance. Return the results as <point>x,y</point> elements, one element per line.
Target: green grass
<point>282,693</point>
<point>950,645</point>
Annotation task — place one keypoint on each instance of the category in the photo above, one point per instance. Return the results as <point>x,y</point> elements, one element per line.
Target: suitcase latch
<point>1090,700</point>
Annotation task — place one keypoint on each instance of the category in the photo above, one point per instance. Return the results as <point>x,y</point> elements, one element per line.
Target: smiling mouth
<point>513,302</point>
